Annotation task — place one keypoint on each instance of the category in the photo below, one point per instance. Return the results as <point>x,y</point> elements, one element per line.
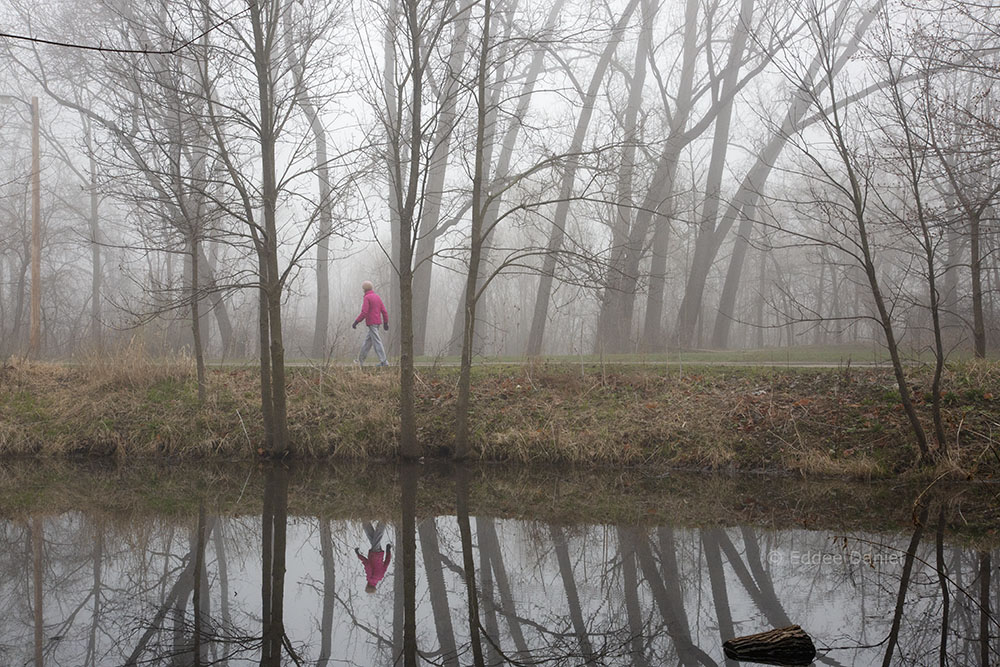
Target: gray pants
<point>373,338</point>
<point>374,534</point>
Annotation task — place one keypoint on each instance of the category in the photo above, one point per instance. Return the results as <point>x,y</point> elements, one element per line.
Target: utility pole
<point>34,341</point>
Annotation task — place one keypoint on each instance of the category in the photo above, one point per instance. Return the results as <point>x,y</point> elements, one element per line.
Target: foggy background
<point>666,175</point>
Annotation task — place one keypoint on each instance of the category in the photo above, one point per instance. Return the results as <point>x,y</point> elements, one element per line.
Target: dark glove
<point>385,325</point>
<point>354,326</point>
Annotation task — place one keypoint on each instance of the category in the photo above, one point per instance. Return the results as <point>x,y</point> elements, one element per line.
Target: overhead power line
<point>111,49</point>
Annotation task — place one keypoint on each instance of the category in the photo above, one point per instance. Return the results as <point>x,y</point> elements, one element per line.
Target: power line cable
<point>109,49</point>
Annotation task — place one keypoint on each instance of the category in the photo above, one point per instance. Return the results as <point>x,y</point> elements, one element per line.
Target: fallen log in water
<point>782,646</point>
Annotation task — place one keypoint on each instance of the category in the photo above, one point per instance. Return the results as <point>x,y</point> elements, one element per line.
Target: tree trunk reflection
<point>464,525</point>
<point>943,582</point>
<point>717,581</point>
<point>434,569</point>
<point>985,568</point>
<point>489,543</point>
<point>572,595</point>
<point>627,538</point>
<point>409,475</point>
<point>273,524</point>
<point>667,594</point>
<point>329,592</point>
<point>36,586</point>
<point>200,597</point>
<point>904,582</point>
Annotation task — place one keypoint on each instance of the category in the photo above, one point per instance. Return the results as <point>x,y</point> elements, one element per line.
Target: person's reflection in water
<point>377,562</point>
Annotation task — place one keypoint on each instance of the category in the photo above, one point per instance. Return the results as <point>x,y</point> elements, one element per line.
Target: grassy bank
<point>814,421</point>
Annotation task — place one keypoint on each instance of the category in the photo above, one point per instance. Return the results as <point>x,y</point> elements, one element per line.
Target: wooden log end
<point>781,646</point>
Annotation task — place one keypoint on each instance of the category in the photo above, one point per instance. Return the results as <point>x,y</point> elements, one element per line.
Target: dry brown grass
<point>132,366</point>
<point>815,423</point>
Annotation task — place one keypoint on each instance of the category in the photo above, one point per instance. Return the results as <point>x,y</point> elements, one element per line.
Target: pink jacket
<point>375,565</point>
<point>373,311</point>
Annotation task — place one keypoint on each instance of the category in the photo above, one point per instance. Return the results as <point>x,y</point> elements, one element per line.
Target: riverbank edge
<point>840,422</point>
<point>968,512</point>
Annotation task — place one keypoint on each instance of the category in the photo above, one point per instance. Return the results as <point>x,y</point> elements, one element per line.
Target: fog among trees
<point>556,177</point>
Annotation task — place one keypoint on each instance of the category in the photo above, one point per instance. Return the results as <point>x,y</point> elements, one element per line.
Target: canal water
<point>380,565</point>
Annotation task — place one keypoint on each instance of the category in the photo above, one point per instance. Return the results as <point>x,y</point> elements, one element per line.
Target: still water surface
<point>280,585</point>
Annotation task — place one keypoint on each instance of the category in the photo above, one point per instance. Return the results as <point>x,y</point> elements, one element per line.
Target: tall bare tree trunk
<point>409,447</point>
<point>437,171</point>
<point>978,320</point>
<point>217,297</point>
<point>657,206</point>
<point>322,322</point>
<point>744,202</point>
<point>502,169</point>
<point>866,253</point>
<point>278,440</point>
<point>462,445</point>
<point>96,272</point>
<point>199,352</point>
<point>394,164</point>
<point>541,310</point>
<point>611,327</point>
<point>704,249</point>
<point>263,334</point>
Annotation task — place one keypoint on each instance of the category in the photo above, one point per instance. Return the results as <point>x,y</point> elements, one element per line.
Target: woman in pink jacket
<point>373,313</point>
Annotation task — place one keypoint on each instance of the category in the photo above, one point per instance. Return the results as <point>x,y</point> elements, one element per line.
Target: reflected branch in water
<point>176,598</point>
<point>956,582</point>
